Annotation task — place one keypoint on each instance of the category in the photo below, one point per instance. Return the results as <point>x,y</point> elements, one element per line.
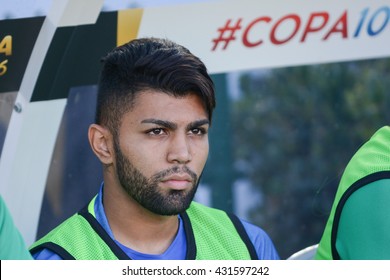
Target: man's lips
<point>177,181</point>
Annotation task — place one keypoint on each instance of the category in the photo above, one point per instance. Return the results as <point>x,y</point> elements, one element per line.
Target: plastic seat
<point>307,253</point>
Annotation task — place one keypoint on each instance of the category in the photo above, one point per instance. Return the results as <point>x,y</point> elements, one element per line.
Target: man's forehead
<point>157,100</point>
<point>159,105</point>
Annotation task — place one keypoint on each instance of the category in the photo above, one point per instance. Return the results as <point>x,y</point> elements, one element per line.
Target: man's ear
<point>101,141</point>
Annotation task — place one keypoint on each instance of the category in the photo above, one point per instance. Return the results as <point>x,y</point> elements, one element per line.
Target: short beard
<point>146,191</point>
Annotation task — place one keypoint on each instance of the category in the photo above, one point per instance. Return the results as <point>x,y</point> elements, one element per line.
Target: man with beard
<point>154,110</point>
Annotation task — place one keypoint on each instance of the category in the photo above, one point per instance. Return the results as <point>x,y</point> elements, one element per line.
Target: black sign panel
<point>17,39</point>
<point>73,58</point>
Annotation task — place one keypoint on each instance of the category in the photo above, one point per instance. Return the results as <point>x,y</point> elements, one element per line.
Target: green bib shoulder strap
<point>80,234</point>
<point>218,236</point>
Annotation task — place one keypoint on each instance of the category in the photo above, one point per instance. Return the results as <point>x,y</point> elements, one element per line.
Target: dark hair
<point>149,63</point>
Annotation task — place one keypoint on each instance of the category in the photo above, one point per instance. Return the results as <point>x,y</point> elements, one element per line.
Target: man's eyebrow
<point>162,123</point>
<point>172,125</point>
<point>198,123</point>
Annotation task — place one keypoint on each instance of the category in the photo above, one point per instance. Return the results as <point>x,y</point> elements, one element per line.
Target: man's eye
<point>156,131</point>
<point>198,131</point>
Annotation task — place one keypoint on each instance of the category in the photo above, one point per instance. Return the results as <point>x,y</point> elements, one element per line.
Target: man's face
<point>161,151</point>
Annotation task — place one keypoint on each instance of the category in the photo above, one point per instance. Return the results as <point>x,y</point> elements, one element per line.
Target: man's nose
<point>179,150</point>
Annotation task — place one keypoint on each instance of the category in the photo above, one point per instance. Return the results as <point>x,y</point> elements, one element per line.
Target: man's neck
<point>136,227</point>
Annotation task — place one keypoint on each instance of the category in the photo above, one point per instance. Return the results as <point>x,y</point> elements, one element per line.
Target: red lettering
<point>309,28</point>
<point>287,27</point>
<point>247,30</point>
<point>297,22</point>
<point>343,28</point>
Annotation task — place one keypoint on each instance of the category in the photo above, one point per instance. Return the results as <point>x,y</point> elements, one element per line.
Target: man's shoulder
<point>218,214</point>
<point>65,232</point>
<point>215,218</point>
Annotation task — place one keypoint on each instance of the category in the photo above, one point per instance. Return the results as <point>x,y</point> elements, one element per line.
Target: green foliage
<point>295,130</point>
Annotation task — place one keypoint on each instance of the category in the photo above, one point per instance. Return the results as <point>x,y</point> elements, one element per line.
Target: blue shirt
<point>177,250</point>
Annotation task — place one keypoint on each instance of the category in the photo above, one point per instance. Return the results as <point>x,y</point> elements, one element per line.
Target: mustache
<point>175,170</point>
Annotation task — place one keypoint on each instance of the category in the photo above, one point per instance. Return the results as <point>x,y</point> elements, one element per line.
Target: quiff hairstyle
<point>149,63</point>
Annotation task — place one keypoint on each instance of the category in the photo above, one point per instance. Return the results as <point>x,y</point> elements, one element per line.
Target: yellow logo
<point>6,49</point>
